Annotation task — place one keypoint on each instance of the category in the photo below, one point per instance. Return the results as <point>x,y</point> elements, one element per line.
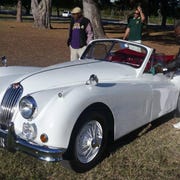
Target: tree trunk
<point>41,10</point>
<point>19,11</point>
<point>92,12</point>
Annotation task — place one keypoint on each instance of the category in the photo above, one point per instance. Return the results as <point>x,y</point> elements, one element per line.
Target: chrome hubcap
<point>89,141</point>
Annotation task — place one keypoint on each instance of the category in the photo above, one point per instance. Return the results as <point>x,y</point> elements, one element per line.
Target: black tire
<point>89,137</point>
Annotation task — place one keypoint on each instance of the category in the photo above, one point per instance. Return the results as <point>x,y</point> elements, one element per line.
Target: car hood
<point>10,74</point>
<point>74,73</point>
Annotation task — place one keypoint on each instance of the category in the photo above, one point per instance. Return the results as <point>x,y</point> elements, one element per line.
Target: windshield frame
<point>144,54</point>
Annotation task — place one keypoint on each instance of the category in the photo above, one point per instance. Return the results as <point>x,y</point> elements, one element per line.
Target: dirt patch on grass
<point>24,45</point>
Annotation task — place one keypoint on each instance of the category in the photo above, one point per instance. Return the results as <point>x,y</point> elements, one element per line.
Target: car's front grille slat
<point>9,103</point>
<point>6,104</point>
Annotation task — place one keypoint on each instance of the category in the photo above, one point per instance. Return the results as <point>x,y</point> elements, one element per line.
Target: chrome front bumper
<point>14,143</point>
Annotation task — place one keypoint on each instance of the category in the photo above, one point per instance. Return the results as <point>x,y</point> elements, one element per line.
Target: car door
<point>163,93</point>
<point>133,105</point>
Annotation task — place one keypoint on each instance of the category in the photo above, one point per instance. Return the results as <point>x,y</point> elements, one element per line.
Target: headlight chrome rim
<point>28,107</point>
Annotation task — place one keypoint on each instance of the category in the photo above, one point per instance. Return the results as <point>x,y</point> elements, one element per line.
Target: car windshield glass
<point>116,52</point>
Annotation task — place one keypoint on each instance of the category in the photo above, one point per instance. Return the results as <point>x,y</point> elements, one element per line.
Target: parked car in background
<point>73,111</point>
<point>66,14</point>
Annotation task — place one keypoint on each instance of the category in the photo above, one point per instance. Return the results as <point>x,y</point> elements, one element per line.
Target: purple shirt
<point>77,28</point>
<point>75,43</point>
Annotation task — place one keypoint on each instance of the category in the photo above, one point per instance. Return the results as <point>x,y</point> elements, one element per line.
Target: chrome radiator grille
<point>8,104</point>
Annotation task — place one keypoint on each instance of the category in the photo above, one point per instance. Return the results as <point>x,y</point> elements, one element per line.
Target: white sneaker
<point>177,125</point>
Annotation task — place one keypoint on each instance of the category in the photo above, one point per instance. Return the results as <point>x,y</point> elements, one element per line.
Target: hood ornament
<point>93,80</point>
<point>4,60</point>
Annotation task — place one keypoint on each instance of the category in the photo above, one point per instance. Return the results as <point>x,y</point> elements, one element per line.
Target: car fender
<point>59,110</point>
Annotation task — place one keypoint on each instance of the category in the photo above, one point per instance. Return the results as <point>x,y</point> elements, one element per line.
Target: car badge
<point>16,85</point>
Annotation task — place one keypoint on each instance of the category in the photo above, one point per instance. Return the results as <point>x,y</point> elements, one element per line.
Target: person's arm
<point>141,14</point>
<point>70,32</point>
<point>89,32</point>
<point>126,34</point>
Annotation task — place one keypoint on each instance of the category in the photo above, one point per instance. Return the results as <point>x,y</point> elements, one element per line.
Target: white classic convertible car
<point>72,111</point>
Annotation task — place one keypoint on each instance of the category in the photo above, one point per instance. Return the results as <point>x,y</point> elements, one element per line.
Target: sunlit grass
<point>153,155</point>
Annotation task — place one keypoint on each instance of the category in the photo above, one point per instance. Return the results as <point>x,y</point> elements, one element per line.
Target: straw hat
<point>76,10</point>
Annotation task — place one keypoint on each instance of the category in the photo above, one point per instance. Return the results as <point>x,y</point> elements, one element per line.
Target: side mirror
<point>4,60</point>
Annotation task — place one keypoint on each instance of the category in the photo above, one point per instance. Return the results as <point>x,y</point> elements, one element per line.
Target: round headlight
<point>27,107</point>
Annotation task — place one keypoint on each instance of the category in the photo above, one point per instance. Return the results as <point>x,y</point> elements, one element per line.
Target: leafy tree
<point>27,5</point>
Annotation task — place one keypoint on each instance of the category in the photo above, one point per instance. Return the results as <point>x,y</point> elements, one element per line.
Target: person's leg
<point>135,48</point>
<point>138,41</point>
<point>74,54</point>
<point>80,51</point>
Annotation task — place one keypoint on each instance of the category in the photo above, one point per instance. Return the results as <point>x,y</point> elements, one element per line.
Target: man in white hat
<point>80,33</point>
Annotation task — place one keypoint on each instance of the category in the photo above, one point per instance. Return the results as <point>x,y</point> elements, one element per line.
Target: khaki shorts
<point>76,53</point>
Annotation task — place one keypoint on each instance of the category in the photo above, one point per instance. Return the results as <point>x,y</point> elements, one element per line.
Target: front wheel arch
<point>100,107</point>
<point>106,120</point>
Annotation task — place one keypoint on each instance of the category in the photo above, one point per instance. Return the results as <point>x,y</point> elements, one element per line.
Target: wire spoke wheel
<point>89,141</point>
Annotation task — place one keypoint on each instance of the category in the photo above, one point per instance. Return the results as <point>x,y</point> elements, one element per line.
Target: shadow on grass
<point>114,29</point>
<point>163,35</point>
<point>54,28</point>
<point>163,38</point>
<point>139,132</point>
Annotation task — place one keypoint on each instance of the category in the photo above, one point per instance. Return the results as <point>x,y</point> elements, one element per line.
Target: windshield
<point>116,51</point>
